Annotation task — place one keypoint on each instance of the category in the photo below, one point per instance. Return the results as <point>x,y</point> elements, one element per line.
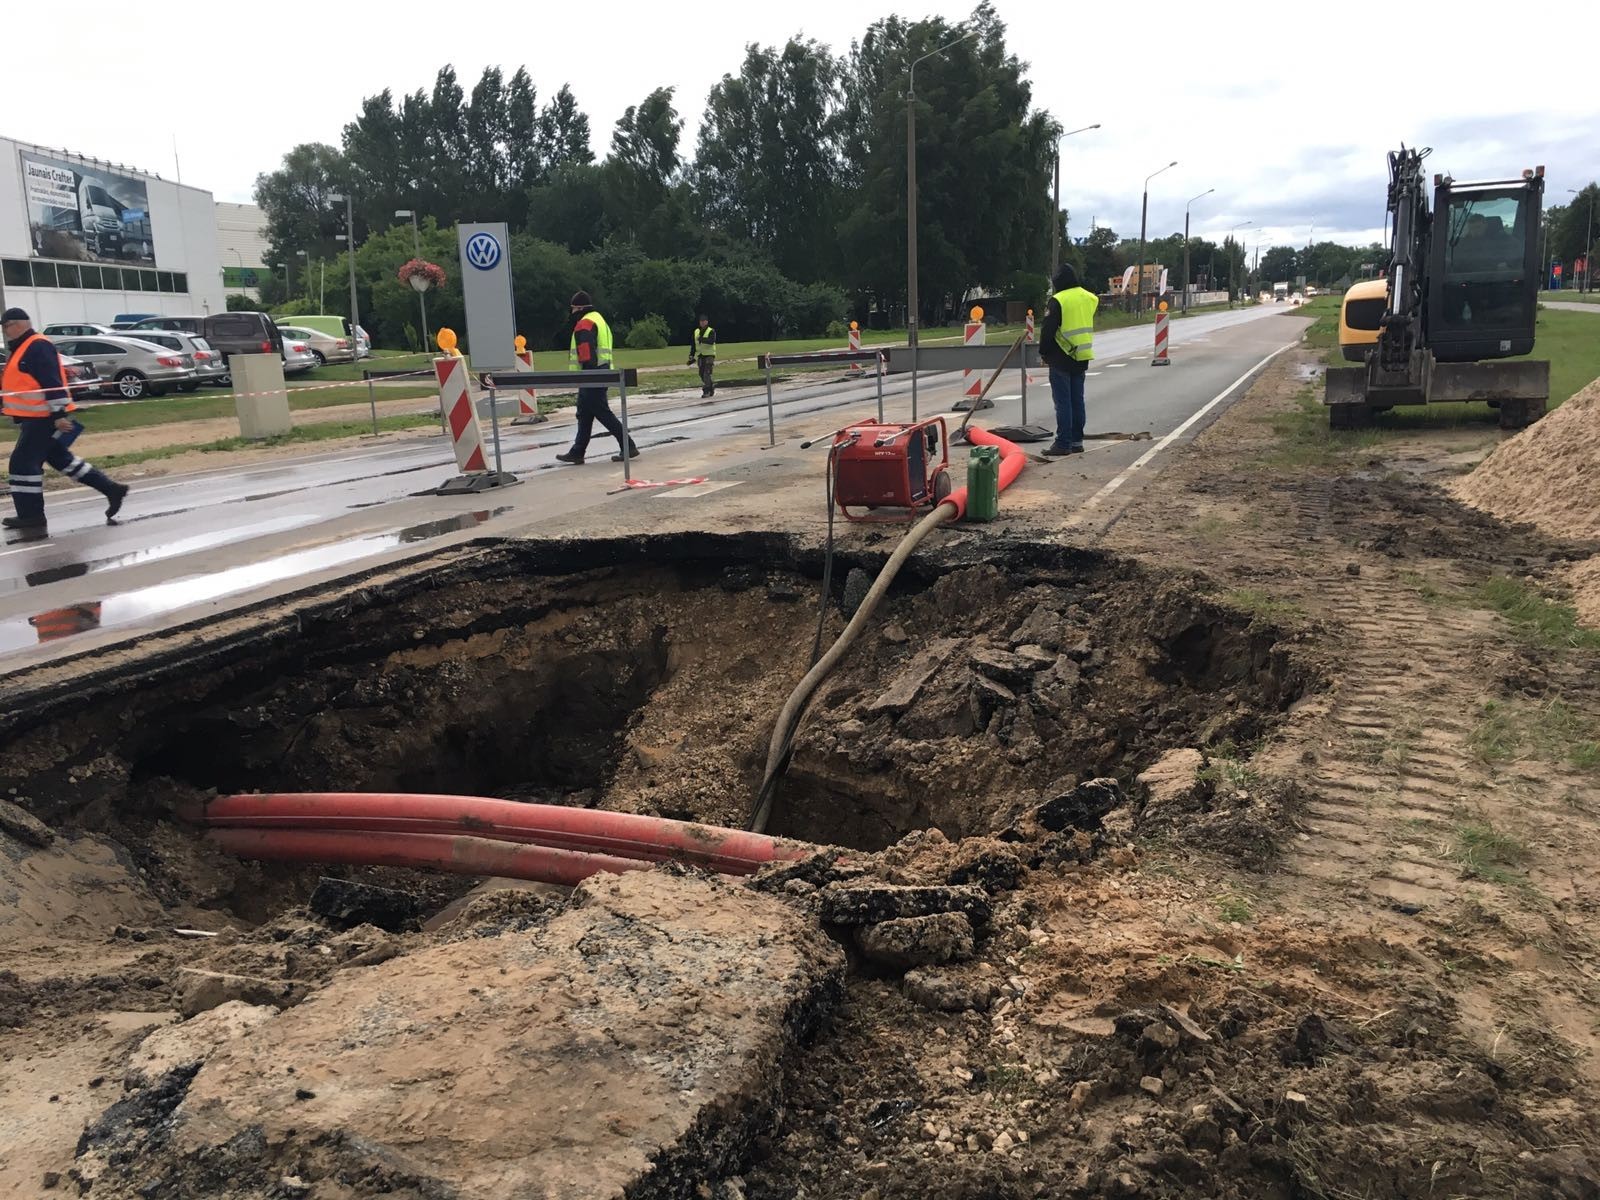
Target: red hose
<point>628,835</point>
<point>441,852</point>
<point>1012,459</point>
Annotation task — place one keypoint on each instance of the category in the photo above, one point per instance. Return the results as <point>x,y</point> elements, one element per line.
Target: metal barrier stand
<point>819,358</point>
<point>372,397</point>
<point>566,381</point>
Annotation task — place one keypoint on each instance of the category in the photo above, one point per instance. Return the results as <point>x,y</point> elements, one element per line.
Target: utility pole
<point>1144,213</point>
<point>1202,195</point>
<point>1055,229</point>
<point>911,207</point>
<point>422,293</point>
<point>350,251</point>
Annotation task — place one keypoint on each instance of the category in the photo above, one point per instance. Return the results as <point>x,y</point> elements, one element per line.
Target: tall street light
<point>307,257</point>
<point>911,207</point>
<point>1055,228</point>
<point>1144,212</point>
<point>1588,241</point>
<point>422,291</point>
<point>350,251</point>
<point>1234,254</point>
<point>1201,196</point>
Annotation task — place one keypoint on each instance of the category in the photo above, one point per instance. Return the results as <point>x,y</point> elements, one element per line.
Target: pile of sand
<point>1549,476</point>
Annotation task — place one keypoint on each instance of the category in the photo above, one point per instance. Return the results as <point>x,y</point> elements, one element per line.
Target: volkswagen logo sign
<point>483,251</point>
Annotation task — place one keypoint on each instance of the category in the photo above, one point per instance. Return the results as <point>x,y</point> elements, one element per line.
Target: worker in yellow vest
<point>704,348</point>
<point>1066,344</point>
<point>591,350</point>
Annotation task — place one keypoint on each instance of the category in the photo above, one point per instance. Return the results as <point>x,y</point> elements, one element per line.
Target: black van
<point>228,333</point>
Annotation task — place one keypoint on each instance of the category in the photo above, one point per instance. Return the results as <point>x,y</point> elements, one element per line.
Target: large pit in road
<point>645,676</point>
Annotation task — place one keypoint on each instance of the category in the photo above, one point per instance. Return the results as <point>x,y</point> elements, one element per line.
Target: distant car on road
<point>326,347</point>
<point>132,369</point>
<point>208,364</point>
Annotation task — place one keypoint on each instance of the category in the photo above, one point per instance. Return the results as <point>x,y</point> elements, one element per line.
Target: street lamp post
<point>422,292</point>
<point>1055,228</point>
<point>1144,213</point>
<point>911,207</point>
<point>307,257</point>
<point>1201,196</point>
<point>1588,242</point>
<point>1234,254</point>
<point>350,251</point>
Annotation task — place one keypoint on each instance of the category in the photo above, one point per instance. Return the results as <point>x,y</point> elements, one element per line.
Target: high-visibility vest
<point>708,334</point>
<point>24,395</point>
<point>602,342</point>
<point>1076,335</point>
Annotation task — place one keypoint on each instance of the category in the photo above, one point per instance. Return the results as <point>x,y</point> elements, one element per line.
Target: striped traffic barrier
<point>1161,359</point>
<point>1027,337</point>
<point>973,335</point>
<point>461,419</point>
<point>527,398</point>
<point>855,345</point>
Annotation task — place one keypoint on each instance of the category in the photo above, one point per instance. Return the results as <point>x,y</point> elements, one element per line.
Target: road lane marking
<point>1144,459</point>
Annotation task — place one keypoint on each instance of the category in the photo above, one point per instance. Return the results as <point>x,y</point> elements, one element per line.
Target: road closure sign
<point>486,289</point>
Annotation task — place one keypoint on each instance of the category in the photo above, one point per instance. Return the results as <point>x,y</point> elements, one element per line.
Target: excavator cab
<point>1460,290</point>
<point>1484,273</point>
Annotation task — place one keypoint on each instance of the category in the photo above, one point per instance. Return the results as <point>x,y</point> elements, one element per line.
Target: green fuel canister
<point>983,483</point>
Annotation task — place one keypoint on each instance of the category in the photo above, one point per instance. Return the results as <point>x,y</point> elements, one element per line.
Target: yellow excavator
<point>1460,294</point>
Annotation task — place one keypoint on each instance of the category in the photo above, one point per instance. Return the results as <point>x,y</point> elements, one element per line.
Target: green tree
<point>295,200</point>
<point>563,133</point>
<point>640,178</point>
<point>974,122</point>
<point>569,207</point>
<point>766,167</point>
<point>1279,264</point>
<point>1571,223</point>
<point>1100,258</point>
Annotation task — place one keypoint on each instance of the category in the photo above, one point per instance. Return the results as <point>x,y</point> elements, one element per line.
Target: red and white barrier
<point>461,418</point>
<point>527,398</point>
<point>855,345</point>
<point>973,335</point>
<point>1161,359</point>
<point>1028,339</point>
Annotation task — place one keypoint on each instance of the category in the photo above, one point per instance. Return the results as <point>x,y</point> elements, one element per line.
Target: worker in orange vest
<point>35,396</point>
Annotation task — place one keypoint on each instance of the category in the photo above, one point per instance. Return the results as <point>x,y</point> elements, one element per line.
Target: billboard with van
<point>86,213</point>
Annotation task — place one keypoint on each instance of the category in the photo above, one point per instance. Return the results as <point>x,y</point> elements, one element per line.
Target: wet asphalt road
<point>202,543</point>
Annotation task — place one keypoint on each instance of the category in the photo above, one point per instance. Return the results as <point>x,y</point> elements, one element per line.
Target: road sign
<point>486,291</point>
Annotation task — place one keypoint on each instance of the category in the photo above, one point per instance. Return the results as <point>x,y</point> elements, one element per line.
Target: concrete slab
<point>630,1047</point>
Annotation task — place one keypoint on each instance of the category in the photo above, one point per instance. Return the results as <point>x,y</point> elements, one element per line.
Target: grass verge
<point>1484,852</point>
<point>1539,620</point>
<point>1553,731</point>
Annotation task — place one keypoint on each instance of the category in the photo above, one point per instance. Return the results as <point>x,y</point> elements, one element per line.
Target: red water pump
<point>902,468</point>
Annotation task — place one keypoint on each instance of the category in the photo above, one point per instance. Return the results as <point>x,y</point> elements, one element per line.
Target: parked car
<point>132,369</point>
<point>75,330</point>
<point>208,364</point>
<point>326,347</point>
<point>81,375</point>
<point>229,333</point>
<point>364,342</point>
<point>328,323</point>
<point>298,357</point>
<point>129,320</point>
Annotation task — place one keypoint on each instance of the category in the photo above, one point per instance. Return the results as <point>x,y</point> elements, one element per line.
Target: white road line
<point>1149,454</point>
<point>1096,372</point>
<point>1115,365</point>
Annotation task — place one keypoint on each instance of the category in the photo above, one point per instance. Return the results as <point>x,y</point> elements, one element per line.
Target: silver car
<point>131,368</point>
<point>298,357</point>
<point>80,329</point>
<point>209,366</point>
<point>325,346</point>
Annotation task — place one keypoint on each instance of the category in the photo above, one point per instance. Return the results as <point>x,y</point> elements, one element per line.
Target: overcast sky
<point>1285,109</point>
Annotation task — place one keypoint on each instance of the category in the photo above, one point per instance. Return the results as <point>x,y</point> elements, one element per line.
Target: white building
<point>242,243</point>
<point>87,240</point>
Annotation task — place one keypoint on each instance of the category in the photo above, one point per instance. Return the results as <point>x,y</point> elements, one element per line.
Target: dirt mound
<point>1545,475</point>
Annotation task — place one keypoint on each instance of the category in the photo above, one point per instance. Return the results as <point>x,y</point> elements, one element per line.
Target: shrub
<point>649,332</point>
<point>838,330</point>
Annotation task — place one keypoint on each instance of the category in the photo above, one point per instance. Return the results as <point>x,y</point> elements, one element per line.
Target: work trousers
<point>592,407</point>
<point>1066,389</point>
<point>708,385</point>
<point>37,445</point>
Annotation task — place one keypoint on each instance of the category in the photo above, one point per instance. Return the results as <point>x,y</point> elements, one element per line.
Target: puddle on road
<point>61,568</point>
<point>125,607</point>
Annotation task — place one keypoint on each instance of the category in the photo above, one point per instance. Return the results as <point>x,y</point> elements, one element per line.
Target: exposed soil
<point>1257,857</point>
